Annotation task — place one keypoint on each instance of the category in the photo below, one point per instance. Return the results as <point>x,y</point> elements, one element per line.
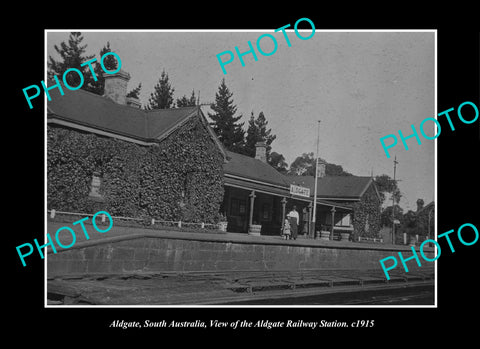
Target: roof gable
<point>161,122</point>
<point>87,109</point>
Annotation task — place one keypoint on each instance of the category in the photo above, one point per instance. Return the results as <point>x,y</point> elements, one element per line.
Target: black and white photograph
<point>262,181</point>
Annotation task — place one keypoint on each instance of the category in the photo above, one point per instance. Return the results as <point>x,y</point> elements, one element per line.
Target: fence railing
<point>154,222</point>
<point>142,221</point>
<point>366,239</point>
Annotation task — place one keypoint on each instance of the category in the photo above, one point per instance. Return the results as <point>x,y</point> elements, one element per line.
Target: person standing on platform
<point>286,230</point>
<point>294,218</point>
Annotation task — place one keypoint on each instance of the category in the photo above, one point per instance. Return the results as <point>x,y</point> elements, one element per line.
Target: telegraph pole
<point>395,162</point>
<point>314,216</point>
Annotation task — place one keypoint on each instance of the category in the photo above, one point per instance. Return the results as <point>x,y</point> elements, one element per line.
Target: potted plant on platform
<point>344,235</point>
<point>324,233</point>
<point>254,229</point>
<point>412,239</point>
<point>222,223</point>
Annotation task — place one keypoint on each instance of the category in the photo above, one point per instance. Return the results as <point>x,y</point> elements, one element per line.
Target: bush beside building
<point>180,178</point>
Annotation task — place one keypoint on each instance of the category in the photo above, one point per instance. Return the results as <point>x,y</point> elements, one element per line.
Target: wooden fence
<point>142,221</point>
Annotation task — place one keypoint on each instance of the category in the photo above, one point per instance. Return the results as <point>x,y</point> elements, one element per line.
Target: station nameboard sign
<point>300,191</point>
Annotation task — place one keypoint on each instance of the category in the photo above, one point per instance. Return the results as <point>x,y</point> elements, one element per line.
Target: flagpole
<point>314,216</point>
<point>395,162</point>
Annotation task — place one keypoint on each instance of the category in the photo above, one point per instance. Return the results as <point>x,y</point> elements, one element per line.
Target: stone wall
<point>175,251</point>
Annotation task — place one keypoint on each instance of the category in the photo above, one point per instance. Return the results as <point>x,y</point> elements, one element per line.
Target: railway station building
<point>106,152</point>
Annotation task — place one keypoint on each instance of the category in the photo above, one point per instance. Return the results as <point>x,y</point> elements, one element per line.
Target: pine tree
<point>187,102</point>
<point>253,136</point>
<point>110,63</point>
<point>135,93</point>
<point>224,122</point>
<point>72,54</point>
<point>162,96</point>
<point>256,132</point>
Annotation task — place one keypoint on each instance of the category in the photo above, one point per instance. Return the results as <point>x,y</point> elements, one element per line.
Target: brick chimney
<point>420,203</point>
<point>261,151</point>
<point>133,102</point>
<point>116,86</point>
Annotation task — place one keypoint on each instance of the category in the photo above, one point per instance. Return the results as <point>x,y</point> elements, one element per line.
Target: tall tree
<point>386,215</point>
<point>305,165</point>
<point>335,170</point>
<point>72,54</point>
<point>224,122</point>
<point>385,184</point>
<point>257,131</point>
<point>162,96</point>
<point>277,161</point>
<point>110,63</point>
<point>135,93</point>
<point>187,102</point>
<point>409,224</point>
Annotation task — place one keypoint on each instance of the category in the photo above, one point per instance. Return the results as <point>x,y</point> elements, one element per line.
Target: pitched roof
<point>348,187</point>
<point>160,121</point>
<point>88,109</point>
<point>248,167</point>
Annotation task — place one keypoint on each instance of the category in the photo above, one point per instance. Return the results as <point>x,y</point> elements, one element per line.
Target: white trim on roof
<point>54,120</point>
<point>256,181</point>
<point>337,198</point>
<point>250,189</point>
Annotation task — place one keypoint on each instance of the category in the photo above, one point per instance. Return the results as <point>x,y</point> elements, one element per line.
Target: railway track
<point>239,287</point>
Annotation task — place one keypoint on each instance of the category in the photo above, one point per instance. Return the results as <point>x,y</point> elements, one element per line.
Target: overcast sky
<point>361,85</point>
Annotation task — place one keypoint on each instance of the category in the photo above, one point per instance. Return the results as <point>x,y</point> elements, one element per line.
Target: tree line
<point>224,119</point>
<point>72,54</point>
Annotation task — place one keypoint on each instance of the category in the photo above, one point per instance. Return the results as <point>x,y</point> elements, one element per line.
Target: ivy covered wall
<point>366,216</point>
<point>181,178</point>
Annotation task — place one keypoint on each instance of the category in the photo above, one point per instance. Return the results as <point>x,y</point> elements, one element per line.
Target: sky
<point>361,85</point>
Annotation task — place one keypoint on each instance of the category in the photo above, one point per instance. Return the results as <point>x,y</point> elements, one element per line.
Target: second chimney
<point>116,86</point>
<point>420,203</point>
<point>261,151</point>
<point>133,102</point>
<point>321,169</point>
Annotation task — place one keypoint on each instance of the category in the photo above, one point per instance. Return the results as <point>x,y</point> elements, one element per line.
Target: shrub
<point>181,178</point>
<point>367,214</point>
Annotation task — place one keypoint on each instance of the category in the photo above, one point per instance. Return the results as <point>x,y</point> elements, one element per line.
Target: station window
<point>237,207</point>
<point>266,212</point>
<point>95,186</point>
